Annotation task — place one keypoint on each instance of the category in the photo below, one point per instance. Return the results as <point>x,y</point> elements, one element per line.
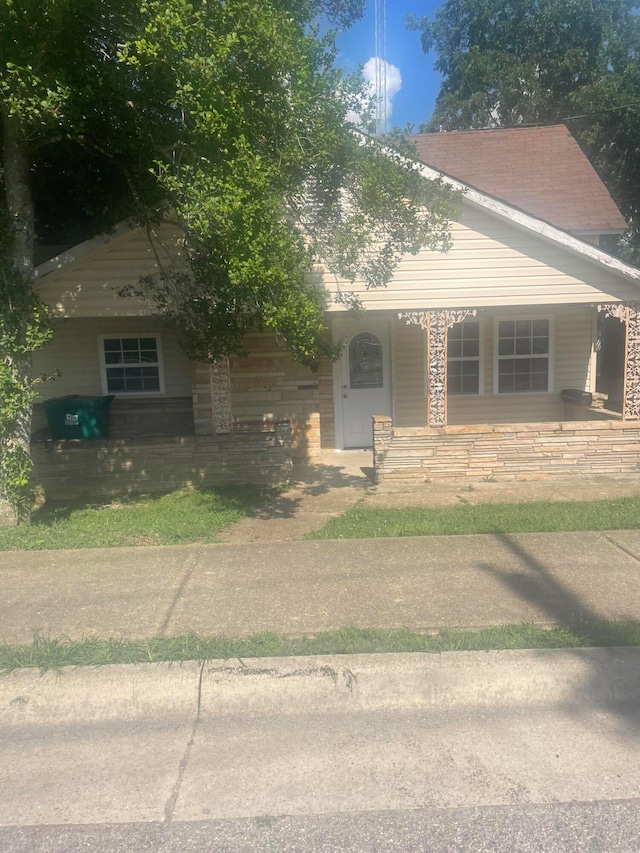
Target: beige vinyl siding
<point>574,346</point>
<point>408,375</point>
<point>75,352</point>
<point>492,262</point>
<point>573,342</point>
<point>89,287</point>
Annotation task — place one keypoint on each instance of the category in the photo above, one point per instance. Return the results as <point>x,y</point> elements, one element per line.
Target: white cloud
<point>393,80</point>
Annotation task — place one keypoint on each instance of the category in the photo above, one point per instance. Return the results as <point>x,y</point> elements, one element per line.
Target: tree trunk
<point>19,205</point>
<point>18,197</point>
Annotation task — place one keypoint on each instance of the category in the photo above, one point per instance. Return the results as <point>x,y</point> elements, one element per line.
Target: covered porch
<point>515,393</point>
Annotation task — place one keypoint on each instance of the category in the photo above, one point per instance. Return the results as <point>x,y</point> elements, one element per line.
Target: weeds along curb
<point>533,679</point>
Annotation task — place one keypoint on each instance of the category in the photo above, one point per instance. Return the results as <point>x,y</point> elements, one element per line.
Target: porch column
<point>220,384</point>
<point>629,314</point>
<point>436,368</point>
<point>435,324</point>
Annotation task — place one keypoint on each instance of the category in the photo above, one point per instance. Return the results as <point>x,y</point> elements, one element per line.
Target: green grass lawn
<point>180,517</point>
<point>362,522</point>
<point>46,653</point>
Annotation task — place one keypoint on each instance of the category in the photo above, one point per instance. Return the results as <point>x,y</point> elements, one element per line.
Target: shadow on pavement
<point>563,606</point>
<point>312,481</point>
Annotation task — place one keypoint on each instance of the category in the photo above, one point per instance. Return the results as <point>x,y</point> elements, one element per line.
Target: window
<point>365,361</point>
<point>463,358</point>
<point>131,365</point>
<point>524,350</point>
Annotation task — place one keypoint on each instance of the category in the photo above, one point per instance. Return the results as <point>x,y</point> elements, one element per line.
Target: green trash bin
<point>75,416</point>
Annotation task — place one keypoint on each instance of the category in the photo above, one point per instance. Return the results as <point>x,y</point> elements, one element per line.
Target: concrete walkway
<point>296,587</point>
<point>321,492</point>
<point>264,577</point>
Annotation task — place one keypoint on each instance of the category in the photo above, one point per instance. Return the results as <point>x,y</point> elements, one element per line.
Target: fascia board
<point>89,248</point>
<point>518,217</point>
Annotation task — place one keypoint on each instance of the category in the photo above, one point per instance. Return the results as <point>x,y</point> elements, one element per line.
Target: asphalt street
<point>592,827</point>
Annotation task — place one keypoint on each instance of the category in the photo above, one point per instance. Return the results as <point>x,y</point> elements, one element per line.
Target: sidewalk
<point>297,587</point>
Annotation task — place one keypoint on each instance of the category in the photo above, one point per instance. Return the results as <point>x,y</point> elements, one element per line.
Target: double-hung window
<point>523,356</point>
<point>464,358</point>
<point>131,364</point>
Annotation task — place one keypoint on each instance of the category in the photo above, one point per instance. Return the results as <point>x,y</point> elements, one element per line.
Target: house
<point>514,354</point>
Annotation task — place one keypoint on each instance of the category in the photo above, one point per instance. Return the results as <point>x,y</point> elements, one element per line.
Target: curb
<point>339,683</point>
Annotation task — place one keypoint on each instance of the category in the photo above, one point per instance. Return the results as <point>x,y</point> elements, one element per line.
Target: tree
<point>543,62</point>
<point>230,119</point>
<point>58,83</point>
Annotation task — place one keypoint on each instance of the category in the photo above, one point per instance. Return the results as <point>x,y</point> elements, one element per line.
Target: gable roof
<point>472,196</point>
<point>541,170</point>
<point>70,255</point>
<point>481,200</point>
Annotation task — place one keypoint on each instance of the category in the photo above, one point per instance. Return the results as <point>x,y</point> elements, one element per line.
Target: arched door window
<point>365,361</point>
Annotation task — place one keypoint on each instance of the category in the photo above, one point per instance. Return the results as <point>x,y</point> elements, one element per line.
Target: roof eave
<point>93,246</point>
<point>537,226</point>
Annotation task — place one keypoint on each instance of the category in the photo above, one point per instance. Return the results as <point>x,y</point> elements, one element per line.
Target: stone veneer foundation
<point>505,450</point>
<point>74,470</point>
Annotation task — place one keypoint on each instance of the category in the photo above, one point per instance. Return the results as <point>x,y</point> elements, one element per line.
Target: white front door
<point>362,379</point>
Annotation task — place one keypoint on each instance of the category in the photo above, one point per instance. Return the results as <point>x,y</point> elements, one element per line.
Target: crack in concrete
<point>350,678</point>
<point>178,594</point>
<point>170,805</point>
<point>620,547</point>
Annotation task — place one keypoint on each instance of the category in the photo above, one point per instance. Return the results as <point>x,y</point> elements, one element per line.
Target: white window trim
<point>480,360</point>
<point>103,364</point>
<point>496,357</point>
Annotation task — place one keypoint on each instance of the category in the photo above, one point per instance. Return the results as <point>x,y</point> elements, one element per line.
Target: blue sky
<point>413,103</point>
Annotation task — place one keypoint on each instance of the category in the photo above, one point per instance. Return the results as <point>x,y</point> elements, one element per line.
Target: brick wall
<point>70,470</point>
<point>305,433</point>
<point>268,385</point>
<point>325,406</point>
<point>7,515</point>
<point>505,450</point>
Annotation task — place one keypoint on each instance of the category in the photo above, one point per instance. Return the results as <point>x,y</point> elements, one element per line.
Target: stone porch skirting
<point>505,450</point>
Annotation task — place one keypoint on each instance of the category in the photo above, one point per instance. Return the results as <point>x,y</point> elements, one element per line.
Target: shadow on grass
<point>178,517</point>
<point>308,480</point>
<point>242,497</point>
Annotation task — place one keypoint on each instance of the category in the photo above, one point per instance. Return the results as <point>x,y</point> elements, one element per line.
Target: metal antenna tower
<point>381,65</point>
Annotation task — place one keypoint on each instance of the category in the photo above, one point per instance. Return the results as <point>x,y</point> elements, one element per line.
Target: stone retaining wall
<point>505,450</point>
<point>84,470</point>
